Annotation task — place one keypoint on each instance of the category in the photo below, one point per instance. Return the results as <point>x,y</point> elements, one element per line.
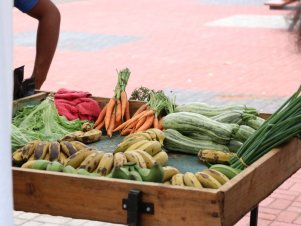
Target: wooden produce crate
<point>103,199</point>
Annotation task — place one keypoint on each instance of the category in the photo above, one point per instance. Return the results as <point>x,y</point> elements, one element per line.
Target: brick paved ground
<point>219,52</point>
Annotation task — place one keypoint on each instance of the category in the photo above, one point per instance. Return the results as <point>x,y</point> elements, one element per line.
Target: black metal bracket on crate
<point>135,207</point>
<point>254,216</point>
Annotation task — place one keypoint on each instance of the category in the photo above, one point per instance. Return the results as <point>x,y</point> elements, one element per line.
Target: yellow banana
<point>125,144</point>
<point>78,145</point>
<point>54,151</point>
<point>91,161</point>
<point>168,182</point>
<point>178,179</point>
<point>105,164</point>
<point>207,181</point>
<point>151,147</point>
<point>133,156</point>
<point>41,150</point>
<point>29,148</point>
<point>90,136</point>
<point>191,180</point>
<point>159,134</point>
<point>213,156</point>
<point>143,135</point>
<point>149,160</point>
<point>221,178</point>
<point>77,158</point>
<point>161,157</point>
<point>28,164</point>
<point>68,148</point>
<point>62,158</point>
<point>137,145</point>
<point>18,157</point>
<point>169,171</point>
<point>119,159</point>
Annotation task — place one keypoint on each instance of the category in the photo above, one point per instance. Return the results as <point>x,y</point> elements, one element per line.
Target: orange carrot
<point>160,123</point>
<point>127,111</point>
<point>134,118</point>
<point>110,108</point>
<point>143,107</point>
<point>125,132</point>
<point>101,116</point>
<point>147,124</point>
<point>112,125</point>
<point>100,125</point>
<point>140,122</point>
<point>124,99</point>
<point>156,122</point>
<point>118,113</point>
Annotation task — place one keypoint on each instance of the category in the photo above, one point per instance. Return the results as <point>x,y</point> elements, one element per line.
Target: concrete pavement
<point>218,52</point>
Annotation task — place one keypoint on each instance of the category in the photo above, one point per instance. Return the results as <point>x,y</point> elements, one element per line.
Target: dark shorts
<point>25,5</point>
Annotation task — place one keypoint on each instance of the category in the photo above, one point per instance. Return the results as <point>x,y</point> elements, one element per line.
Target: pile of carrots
<point>149,115</point>
<point>115,116</point>
<point>116,111</point>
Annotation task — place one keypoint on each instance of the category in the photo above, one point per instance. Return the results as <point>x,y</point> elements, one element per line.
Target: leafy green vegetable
<point>42,122</point>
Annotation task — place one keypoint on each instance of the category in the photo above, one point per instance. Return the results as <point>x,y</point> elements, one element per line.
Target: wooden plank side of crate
<point>259,180</point>
<point>33,99</point>
<point>101,199</point>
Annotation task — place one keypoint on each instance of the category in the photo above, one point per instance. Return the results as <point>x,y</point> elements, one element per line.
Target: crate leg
<point>254,217</point>
<point>135,207</point>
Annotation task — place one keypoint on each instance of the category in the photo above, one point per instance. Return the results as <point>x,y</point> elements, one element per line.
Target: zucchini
<point>234,116</point>
<point>234,145</point>
<point>243,133</point>
<point>175,141</point>
<point>210,111</point>
<point>186,122</point>
<point>255,123</point>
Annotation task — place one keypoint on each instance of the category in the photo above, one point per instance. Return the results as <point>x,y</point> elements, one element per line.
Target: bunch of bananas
<point>132,171</point>
<point>150,141</point>
<point>52,151</point>
<point>214,177</point>
<point>86,136</point>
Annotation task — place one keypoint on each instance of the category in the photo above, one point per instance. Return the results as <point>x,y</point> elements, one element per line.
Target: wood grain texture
<point>101,199</point>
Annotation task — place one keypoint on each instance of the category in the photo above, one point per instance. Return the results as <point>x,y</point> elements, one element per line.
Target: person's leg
<point>47,37</point>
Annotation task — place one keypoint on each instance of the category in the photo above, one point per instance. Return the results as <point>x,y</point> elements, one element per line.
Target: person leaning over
<point>49,19</point>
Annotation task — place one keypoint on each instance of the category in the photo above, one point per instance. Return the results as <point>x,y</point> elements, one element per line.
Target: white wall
<point>6,84</point>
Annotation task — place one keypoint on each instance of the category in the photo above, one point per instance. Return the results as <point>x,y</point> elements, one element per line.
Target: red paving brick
<point>287,216</point>
<point>177,50</point>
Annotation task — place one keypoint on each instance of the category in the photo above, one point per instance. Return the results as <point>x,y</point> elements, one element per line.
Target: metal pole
<point>6,89</point>
<point>254,217</point>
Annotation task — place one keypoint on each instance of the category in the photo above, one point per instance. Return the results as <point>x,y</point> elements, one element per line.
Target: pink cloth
<point>76,104</point>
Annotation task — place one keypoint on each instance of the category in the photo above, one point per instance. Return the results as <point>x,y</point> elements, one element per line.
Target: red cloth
<point>76,104</point>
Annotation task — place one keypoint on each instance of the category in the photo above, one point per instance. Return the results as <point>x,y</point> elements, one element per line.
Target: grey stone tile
<point>75,222</point>
<point>251,21</point>
<point>18,221</point>
<point>52,219</point>
<point>28,215</point>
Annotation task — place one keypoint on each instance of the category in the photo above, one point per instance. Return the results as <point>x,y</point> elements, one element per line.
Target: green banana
<point>69,169</point>
<point>55,166</point>
<point>121,172</point>
<point>154,174</point>
<point>40,164</point>
<point>228,171</point>
<point>82,171</point>
<point>134,175</point>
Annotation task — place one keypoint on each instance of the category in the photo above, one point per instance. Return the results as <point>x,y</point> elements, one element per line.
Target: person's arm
<point>49,19</point>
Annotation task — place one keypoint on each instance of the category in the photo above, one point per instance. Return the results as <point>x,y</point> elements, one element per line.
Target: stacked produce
<point>149,115</point>
<point>279,128</point>
<point>197,126</point>
<point>116,110</point>
<point>214,177</point>
<point>41,122</point>
<point>132,157</point>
